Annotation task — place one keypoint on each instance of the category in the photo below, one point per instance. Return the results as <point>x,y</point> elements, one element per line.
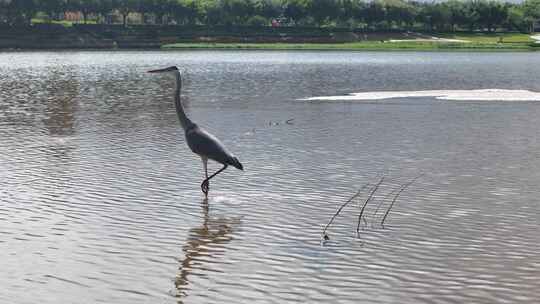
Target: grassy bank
<point>102,36</point>
<point>489,38</point>
<point>424,42</point>
<point>362,46</point>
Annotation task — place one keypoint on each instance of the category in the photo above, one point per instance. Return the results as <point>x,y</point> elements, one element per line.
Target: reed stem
<point>374,189</point>
<point>403,187</point>
<point>341,208</point>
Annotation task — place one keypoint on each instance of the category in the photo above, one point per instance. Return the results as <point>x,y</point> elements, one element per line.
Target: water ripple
<point>100,196</point>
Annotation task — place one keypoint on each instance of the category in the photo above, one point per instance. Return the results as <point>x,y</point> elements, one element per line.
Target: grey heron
<point>202,143</point>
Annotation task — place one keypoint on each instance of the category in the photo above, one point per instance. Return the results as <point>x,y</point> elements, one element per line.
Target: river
<point>100,198</point>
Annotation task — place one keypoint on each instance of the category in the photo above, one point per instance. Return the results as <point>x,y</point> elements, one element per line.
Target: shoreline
<point>360,46</point>
<point>344,47</point>
<point>356,47</point>
<point>53,37</point>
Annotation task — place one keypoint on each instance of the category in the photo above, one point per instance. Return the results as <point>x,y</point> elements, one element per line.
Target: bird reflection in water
<point>204,245</point>
<point>61,95</point>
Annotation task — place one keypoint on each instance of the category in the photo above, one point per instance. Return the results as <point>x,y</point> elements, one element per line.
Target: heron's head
<point>172,69</point>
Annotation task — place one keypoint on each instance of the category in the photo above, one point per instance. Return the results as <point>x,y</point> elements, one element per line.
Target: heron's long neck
<point>184,120</point>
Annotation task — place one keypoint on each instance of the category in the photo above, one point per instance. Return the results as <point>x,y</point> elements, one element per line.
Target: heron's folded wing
<point>206,144</point>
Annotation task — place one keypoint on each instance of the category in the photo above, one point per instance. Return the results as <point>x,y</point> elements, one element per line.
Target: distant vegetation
<point>451,15</point>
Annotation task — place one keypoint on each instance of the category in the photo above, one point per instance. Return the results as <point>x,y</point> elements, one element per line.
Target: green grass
<point>475,41</point>
<point>365,46</point>
<point>489,37</point>
<point>62,22</point>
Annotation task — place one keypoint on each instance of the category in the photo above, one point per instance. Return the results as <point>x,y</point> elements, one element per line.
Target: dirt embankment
<point>53,36</point>
<point>45,36</point>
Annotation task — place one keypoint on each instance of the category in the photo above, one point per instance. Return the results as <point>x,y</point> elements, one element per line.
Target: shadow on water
<point>204,246</point>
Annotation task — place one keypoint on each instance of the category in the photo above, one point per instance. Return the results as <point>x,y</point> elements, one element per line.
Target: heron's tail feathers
<point>233,161</point>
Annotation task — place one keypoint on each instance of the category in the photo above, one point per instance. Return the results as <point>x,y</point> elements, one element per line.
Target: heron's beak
<point>158,71</point>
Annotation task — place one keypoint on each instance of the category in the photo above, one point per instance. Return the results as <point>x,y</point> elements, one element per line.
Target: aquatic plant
<point>403,187</point>
<point>373,190</point>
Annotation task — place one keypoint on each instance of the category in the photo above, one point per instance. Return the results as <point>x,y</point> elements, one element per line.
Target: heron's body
<point>206,145</point>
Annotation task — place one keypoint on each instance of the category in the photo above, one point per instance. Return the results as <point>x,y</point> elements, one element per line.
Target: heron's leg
<point>206,167</point>
<point>206,182</point>
<point>205,186</point>
<point>218,172</point>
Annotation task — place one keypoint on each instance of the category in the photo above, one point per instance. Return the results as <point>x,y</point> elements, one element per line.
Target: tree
<point>237,11</point>
<point>375,13</point>
<point>212,13</point>
<point>531,12</point>
<point>85,7</point>
<point>162,8</point>
<point>470,15</point>
<point>3,11</point>
<point>257,20</point>
<point>516,18</point>
<point>192,11</point>
<point>324,11</point>
<point>125,7</point>
<point>491,14</point>
<point>435,16</point>
<point>359,11</point>
<point>53,8</point>
<point>399,12</point>
<point>296,10</point>
<point>456,13</point>
<point>347,12</point>
<point>267,8</point>
<point>143,7</point>
<point>20,11</point>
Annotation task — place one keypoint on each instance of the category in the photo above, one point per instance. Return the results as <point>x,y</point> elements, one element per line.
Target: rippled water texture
<point>100,196</point>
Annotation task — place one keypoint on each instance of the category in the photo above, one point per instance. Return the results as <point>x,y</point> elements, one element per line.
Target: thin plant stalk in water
<point>374,189</point>
<point>384,199</point>
<point>403,187</point>
<point>325,236</point>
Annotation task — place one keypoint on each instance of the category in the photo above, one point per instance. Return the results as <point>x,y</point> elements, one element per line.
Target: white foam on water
<point>470,95</point>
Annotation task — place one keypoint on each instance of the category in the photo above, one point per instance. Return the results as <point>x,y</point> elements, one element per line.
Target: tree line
<point>450,15</point>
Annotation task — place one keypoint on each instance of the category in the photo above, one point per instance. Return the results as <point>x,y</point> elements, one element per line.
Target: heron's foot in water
<point>205,187</point>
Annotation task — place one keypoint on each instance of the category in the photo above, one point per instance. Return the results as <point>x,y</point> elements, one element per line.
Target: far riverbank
<point>360,46</point>
<point>97,36</point>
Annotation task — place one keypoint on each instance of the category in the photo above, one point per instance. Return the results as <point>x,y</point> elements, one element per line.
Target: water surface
<point>100,197</point>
